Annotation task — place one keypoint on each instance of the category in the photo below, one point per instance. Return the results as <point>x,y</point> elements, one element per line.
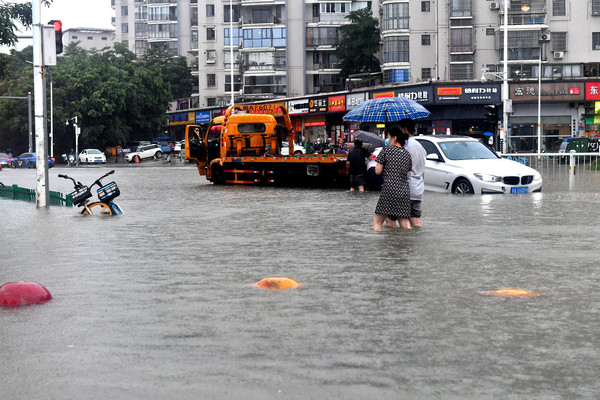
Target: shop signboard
<point>317,105</point>
<point>383,94</point>
<point>266,108</point>
<point>552,91</point>
<point>179,118</point>
<point>336,103</point>
<point>482,93</point>
<point>354,99</point>
<point>202,117</point>
<point>423,95</point>
<point>298,106</point>
<point>592,90</point>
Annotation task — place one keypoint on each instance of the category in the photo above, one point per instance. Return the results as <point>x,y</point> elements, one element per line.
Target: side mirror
<point>434,157</point>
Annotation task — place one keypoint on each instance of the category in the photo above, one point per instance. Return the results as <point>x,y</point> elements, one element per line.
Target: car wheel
<point>32,165</point>
<point>158,154</point>
<point>298,152</point>
<point>462,186</point>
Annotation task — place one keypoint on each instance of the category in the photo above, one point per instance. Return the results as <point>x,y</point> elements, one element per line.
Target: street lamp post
<point>505,101</point>
<point>77,132</point>
<point>539,119</point>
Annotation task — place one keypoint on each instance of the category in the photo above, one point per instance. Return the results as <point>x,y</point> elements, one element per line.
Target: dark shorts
<point>357,180</point>
<point>415,208</point>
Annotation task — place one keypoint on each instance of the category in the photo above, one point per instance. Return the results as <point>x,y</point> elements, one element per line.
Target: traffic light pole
<point>42,192</point>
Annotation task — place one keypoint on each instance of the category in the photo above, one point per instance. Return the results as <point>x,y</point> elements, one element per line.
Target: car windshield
<point>466,150</point>
<point>93,151</point>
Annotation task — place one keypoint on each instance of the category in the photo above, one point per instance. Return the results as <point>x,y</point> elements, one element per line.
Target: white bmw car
<point>460,164</point>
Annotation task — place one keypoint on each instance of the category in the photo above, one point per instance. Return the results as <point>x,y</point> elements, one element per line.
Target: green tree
<point>174,70</point>
<point>115,97</point>
<point>10,15</point>
<point>359,44</point>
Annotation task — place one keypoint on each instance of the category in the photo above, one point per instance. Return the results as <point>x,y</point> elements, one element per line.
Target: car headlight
<point>537,176</point>
<point>488,178</point>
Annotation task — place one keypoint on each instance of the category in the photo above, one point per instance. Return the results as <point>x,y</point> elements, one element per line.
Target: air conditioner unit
<point>559,54</point>
<point>544,37</point>
<point>494,5</point>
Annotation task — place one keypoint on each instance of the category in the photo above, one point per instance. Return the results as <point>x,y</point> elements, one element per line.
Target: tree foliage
<point>359,44</point>
<point>10,15</point>
<point>116,97</point>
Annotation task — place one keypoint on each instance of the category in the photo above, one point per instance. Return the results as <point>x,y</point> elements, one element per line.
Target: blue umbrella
<point>386,109</point>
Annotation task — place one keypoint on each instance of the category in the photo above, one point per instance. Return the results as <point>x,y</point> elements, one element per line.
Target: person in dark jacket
<point>356,166</point>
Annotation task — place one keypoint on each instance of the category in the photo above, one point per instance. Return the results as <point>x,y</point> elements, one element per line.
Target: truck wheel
<point>218,176</point>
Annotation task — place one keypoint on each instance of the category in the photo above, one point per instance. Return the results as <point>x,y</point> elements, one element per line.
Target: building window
<point>595,7</point>
<point>237,83</point>
<point>124,28</point>
<point>211,56</point>
<point>74,37</point>
<point>237,36</point>
<point>337,8</point>
<point>236,14</point>
<point>425,40</point>
<point>141,12</point>
<point>211,101</point>
<point>461,8</point>
<point>210,10</point>
<point>461,40</point>
<point>322,36</point>
<point>461,71</point>
<point>559,41</point>
<point>210,33</point>
<point>104,38</point>
<point>395,49</point>
<point>261,16</point>
<point>124,10</point>
<point>264,37</point>
<point>595,40</point>
<point>396,76</point>
<point>425,6</point>
<point>90,38</point>
<point>489,32</point>
<point>395,16</point>
<point>141,30</point>
<point>559,8</point>
<point>425,74</point>
<point>211,80</point>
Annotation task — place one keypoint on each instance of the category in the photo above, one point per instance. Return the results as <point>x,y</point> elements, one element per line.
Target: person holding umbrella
<point>395,163</point>
<point>417,173</point>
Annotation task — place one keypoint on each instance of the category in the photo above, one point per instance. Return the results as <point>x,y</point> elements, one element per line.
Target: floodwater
<point>159,303</point>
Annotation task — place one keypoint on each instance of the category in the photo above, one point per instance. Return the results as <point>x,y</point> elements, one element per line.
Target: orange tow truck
<point>241,148</point>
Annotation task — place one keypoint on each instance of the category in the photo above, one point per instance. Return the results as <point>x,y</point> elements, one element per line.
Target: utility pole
<point>42,192</point>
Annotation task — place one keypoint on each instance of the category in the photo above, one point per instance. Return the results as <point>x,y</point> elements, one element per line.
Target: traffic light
<point>57,35</point>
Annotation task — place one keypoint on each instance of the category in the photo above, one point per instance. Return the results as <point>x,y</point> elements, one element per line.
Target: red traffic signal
<point>57,35</point>
<point>57,25</point>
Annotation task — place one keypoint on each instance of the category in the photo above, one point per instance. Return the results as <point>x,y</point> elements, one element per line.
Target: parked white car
<point>145,151</point>
<point>298,149</point>
<point>90,156</point>
<point>460,164</point>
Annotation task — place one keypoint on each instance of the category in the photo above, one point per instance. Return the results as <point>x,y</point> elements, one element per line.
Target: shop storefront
<point>559,116</point>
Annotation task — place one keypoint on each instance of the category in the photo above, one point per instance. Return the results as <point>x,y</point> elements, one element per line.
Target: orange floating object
<point>277,282</point>
<point>23,293</point>
<point>510,292</point>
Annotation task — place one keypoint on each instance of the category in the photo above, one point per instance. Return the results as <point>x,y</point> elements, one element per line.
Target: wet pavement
<point>159,302</point>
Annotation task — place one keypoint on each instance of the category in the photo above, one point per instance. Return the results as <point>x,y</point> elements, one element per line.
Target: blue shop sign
<point>202,117</point>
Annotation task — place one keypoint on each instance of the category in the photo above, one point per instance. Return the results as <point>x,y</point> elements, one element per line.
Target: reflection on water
<point>159,302</point>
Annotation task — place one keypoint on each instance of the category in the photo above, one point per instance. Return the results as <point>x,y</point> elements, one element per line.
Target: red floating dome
<point>21,293</point>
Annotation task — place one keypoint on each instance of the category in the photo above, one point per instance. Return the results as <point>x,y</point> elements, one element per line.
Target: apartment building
<point>256,50</point>
<point>89,38</point>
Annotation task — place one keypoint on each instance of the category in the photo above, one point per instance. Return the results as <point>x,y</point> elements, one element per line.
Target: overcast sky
<point>80,13</point>
<point>73,14</point>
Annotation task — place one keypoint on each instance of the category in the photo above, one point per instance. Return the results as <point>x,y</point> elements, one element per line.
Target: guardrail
<point>15,192</point>
<point>578,169</point>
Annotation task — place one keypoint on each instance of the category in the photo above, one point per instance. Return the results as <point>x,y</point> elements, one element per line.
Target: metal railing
<point>580,171</point>
<point>15,192</point>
